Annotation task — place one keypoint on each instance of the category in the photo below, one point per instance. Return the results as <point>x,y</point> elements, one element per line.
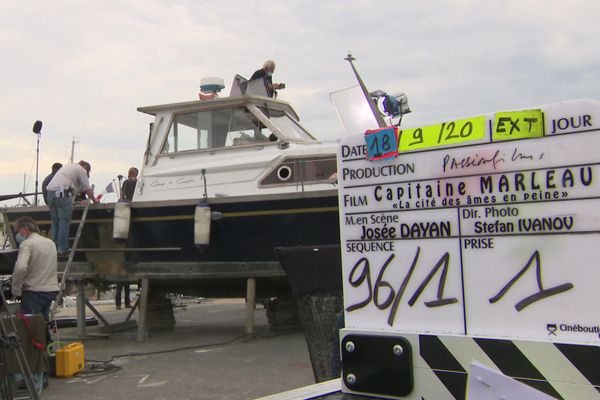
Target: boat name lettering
<point>183,181</point>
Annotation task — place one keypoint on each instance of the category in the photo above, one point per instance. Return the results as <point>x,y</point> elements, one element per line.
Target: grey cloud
<point>83,67</point>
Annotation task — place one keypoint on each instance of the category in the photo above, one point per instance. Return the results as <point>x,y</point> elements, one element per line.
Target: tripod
<point>11,341</point>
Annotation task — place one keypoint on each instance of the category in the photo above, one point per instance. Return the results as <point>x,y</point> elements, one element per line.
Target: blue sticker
<point>382,143</point>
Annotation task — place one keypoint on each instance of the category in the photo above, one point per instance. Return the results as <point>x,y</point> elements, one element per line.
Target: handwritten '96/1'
<point>361,274</point>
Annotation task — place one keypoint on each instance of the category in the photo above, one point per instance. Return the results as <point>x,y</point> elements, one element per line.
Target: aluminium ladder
<point>63,280</point>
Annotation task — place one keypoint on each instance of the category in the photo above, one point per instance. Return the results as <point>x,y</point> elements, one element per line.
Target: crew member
<point>55,168</point>
<point>127,191</point>
<point>266,73</point>
<point>122,287</point>
<point>34,278</point>
<point>128,187</point>
<point>68,181</point>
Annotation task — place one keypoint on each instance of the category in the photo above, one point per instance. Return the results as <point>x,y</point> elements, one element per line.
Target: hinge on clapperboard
<point>381,365</point>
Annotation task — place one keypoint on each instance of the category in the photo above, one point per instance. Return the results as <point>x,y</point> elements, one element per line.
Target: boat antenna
<point>73,143</point>
<point>203,172</point>
<point>363,87</point>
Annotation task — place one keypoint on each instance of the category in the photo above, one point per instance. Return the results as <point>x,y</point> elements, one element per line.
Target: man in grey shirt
<point>68,181</point>
<point>34,277</point>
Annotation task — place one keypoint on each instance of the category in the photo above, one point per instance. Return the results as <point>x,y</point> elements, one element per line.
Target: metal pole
<point>81,328</point>
<point>250,306</point>
<point>363,87</point>
<point>37,167</point>
<point>71,160</point>
<point>73,143</point>
<point>142,330</point>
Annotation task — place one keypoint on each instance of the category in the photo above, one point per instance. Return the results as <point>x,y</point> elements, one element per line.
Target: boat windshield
<point>215,129</point>
<point>288,126</point>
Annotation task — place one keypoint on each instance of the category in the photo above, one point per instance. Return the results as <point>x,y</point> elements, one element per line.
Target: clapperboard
<point>479,242</point>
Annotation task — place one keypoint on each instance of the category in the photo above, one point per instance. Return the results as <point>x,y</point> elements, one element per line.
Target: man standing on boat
<point>266,73</point>
<point>128,187</point>
<point>68,181</point>
<point>55,167</point>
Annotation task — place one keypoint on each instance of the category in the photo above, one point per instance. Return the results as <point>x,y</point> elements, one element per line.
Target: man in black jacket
<point>55,168</point>
<point>266,73</point>
<point>128,187</point>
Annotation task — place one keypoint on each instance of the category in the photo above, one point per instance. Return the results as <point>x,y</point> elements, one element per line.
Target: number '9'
<point>357,281</point>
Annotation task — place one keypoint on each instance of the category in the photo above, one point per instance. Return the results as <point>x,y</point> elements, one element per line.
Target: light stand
<point>37,129</point>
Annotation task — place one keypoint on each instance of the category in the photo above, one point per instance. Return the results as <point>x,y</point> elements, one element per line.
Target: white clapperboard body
<point>479,242</point>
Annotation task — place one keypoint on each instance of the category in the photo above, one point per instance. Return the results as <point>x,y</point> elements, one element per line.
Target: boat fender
<point>121,221</point>
<point>202,218</point>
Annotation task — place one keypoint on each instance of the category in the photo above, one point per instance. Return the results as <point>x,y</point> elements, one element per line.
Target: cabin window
<point>215,129</point>
<point>289,127</point>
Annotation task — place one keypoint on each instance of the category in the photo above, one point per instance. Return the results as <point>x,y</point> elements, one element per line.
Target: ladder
<point>63,280</point>
<point>11,341</point>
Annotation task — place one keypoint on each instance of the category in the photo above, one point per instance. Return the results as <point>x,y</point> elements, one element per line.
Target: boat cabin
<point>242,145</point>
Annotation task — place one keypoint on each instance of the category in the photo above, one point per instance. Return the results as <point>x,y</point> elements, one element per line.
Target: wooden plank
<point>180,271</point>
<point>127,249</point>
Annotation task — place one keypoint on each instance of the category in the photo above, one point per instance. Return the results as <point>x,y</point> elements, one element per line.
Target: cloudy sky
<point>83,67</point>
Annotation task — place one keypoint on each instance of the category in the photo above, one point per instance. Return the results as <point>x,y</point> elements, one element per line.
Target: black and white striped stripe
<point>563,371</point>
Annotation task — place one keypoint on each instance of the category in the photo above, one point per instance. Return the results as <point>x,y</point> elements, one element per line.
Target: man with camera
<point>66,184</point>
<point>266,73</point>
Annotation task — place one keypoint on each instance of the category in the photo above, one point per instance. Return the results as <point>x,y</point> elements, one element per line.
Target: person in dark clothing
<point>122,287</point>
<point>127,191</point>
<point>266,73</point>
<point>55,168</point>
<point>128,187</point>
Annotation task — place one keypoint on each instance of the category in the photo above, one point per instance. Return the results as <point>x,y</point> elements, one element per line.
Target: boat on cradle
<point>267,182</point>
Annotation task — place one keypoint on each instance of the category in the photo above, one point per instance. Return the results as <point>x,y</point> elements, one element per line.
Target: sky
<point>83,67</point>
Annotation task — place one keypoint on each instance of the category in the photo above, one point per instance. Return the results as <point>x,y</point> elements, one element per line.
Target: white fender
<point>121,221</point>
<point>202,217</point>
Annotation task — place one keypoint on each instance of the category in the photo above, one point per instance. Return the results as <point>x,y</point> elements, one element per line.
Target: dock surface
<point>223,365</point>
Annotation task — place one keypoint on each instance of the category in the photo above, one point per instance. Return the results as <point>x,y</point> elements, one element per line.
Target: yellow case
<point>69,360</point>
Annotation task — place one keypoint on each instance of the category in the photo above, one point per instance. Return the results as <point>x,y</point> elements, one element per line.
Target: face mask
<point>269,73</point>
<point>19,238</point>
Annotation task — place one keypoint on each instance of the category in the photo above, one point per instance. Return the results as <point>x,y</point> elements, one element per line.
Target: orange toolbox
<point>69,360</point>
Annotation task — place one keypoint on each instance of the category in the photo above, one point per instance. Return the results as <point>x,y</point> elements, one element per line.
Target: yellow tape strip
<point>523,124</point>
<point>451,132</point>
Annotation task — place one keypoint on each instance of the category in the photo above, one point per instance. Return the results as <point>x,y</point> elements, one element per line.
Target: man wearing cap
<point>266,73</point>
<point>68,181</point>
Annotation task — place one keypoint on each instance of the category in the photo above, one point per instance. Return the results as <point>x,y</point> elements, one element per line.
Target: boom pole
<point>363,87</point>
